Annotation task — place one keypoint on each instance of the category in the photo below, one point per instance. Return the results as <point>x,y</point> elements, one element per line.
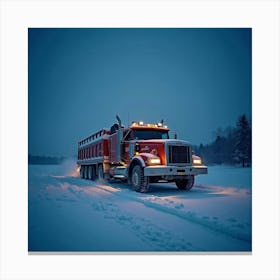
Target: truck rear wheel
<point>86,172</point>
<point>82,172</point>
<point>91,173</point>
<point>139,182</point>
<point>100,173</point>
<point>185,184</point>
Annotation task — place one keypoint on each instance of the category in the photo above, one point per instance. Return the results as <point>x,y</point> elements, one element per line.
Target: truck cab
<point>150,156</point>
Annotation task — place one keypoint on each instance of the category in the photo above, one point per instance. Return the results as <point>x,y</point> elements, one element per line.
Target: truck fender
<point>137,160</point>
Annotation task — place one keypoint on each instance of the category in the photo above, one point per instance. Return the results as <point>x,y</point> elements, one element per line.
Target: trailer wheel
<point>86,172</point>
<point>185,184</point>
<point>138,180</point>
<point>94,172</point>
<point>82,172</point>
<point>90,172</point>
<point>100,173</point>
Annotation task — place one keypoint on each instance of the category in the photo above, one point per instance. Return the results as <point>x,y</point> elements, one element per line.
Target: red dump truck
<point>140,154</point>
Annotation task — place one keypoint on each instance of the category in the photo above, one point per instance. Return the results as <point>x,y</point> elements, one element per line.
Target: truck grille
<point>179,154</point>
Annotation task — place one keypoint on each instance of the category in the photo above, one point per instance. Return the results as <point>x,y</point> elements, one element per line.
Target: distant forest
<point>44,159</point>
<point>232,145</point>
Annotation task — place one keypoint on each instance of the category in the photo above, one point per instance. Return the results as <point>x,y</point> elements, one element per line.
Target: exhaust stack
<point>119,121</point>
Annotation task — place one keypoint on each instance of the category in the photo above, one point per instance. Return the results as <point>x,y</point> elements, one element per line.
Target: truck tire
<point>90,172</point>
<point>94,172</point>
<point>100,173</point>
<point>82,172</point>
<point>86,172</point>
<point>185,184</point>
<point>138,181</point>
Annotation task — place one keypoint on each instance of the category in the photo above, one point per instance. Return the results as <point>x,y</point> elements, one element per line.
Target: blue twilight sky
<point>196,79</point>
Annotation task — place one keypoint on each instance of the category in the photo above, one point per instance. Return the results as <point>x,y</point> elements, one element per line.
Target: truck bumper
<point>174,170</point>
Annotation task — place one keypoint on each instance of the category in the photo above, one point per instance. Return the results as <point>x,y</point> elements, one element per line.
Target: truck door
<point>128,147</point>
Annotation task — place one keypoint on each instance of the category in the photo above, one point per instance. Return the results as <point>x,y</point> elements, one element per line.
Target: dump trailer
<point>140,154</point>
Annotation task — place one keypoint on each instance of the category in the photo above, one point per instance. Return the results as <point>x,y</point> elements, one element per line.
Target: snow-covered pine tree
<point>243,145</point>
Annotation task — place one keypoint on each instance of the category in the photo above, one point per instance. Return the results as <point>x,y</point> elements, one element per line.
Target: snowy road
<point>67,213</point>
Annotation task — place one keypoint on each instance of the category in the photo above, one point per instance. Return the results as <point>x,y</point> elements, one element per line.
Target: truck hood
<point>162,141</point>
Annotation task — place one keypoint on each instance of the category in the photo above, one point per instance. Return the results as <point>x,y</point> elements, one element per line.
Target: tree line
<point>232,145</point>
<point>44,159</point>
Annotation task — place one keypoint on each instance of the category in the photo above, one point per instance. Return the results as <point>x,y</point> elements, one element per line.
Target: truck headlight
<point>197,161</point>
<point>154,161</point>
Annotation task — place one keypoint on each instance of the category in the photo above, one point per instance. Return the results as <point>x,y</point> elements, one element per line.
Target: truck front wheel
<point>139,182</point>
<point>185,184</point>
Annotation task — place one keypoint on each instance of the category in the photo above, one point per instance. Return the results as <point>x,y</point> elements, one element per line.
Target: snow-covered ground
<point>67,213</point>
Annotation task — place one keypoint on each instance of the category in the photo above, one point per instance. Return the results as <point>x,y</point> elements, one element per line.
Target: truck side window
<point>128,137</point>
<point>165,136</point>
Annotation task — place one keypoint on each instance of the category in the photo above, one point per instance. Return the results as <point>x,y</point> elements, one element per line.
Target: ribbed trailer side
<point>93,154</point>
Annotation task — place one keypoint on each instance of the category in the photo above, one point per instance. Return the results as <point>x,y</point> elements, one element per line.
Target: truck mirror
<point>137,147</point>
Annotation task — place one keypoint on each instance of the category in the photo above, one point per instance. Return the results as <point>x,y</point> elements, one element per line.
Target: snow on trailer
<point>139,154</point>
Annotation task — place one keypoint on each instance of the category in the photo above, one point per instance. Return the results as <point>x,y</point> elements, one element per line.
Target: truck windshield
<point>150,134</point>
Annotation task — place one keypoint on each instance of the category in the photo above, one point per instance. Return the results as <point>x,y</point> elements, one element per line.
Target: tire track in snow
<point>176,211</point>
<point>233,230</point>
<point>157,237</point>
